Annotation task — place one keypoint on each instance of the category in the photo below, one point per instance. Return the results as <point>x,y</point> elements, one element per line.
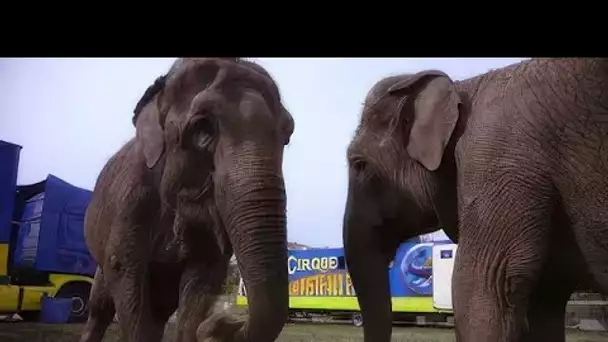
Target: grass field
<point>38,332</point>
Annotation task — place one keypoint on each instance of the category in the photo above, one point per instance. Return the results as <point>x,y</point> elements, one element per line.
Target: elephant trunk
<point>254,213</point>
<point>368,268</point>
<point>367,259</point>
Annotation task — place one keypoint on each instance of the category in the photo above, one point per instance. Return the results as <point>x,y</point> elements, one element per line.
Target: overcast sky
<point>71,115</point>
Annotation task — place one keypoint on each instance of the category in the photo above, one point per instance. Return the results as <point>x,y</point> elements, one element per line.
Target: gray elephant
<point>203,176</point>
<point>513,164</point>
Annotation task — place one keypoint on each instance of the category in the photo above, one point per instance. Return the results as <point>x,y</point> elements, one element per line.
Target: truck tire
<point>79,292</point>
<point>357,319</point>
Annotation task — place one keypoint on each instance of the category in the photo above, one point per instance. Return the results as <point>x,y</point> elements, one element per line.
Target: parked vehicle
<point>420,280</point>
<point>42,247</point>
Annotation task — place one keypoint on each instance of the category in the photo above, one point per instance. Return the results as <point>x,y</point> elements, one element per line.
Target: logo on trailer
<point>317,264</point>
<point>417,269</point>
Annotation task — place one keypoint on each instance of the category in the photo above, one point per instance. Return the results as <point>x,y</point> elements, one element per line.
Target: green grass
<point>37,332</point>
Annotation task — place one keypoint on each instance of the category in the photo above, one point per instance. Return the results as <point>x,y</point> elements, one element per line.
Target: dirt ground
<point>38,332</point>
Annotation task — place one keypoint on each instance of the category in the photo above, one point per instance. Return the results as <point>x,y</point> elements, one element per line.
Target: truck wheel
<point>357,319</point>
<point>79,292</point>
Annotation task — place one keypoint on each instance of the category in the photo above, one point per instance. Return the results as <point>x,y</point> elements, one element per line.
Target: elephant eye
<point>205,132</point>
<point>200,133</point>
<point>202,140</point>
<point>359,165</point>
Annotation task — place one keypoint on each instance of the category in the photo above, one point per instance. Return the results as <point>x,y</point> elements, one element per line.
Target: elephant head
<point>402,182</point>
<point>212,131</point>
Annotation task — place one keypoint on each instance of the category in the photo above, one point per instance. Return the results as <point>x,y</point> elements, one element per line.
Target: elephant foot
<point>221,327</point>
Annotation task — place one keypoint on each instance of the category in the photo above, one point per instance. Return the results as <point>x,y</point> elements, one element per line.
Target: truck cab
<point>42,245</point>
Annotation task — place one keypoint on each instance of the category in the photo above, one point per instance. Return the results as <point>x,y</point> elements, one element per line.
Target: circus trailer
<point>420,280</point>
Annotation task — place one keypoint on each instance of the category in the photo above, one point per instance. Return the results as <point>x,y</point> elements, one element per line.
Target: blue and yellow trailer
<point>42,247</point>
<point>319,279</point>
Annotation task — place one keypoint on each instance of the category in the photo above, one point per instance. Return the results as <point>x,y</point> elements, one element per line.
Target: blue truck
<point>42,245</point>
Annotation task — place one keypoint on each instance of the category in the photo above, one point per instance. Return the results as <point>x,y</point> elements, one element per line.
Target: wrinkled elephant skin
<point>513,164</point>
<point>201,179</point>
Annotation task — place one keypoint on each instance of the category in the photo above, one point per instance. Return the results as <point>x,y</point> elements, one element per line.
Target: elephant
<point>201,180</point>
<point>513,164</point>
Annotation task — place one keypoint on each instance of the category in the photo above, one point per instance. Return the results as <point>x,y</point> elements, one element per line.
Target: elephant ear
<point>436,110</point>
<point>148,125</point>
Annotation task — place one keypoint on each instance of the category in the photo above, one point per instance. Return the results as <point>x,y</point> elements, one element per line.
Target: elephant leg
<point>591,230</point>
<point>165,282</point>
<point>131,292</point>
<point>563,270</point>
<point>503,244</point>
<point>200,286</point>
<point>101,310</point>
<point>546,313</point>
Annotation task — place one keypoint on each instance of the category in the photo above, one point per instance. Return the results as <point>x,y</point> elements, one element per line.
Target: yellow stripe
<point>32,295</point>
<point>9,298</point>
<point>400,304</point>
<point>3,259</point>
